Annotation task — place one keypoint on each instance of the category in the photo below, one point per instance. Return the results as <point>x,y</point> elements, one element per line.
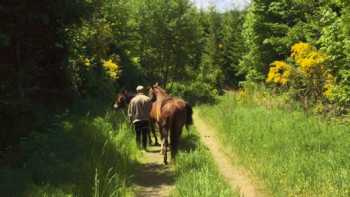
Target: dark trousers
<point>142,129</point>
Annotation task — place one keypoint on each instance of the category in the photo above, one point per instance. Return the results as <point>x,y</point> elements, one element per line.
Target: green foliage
<point>169,39</point>
<point>292,153</point>
<point>232,46</point>
<point>195,93</point>
<point>74,155</point>
<point>272,27</point>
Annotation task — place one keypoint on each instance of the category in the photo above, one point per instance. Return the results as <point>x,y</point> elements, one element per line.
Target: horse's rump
<point>171,114</point>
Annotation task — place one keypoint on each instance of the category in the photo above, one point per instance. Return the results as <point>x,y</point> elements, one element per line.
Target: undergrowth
<point>85,152</point>
<point>294,153</point>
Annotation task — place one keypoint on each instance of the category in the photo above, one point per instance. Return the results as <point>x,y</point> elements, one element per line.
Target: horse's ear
<point>156,85</point>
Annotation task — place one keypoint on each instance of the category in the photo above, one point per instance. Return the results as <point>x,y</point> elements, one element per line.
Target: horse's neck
<point>161,97</point>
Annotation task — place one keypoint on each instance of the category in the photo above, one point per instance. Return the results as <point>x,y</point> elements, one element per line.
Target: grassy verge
<point>293,153</point>
<point>75,154</point>
<point>196,172</point>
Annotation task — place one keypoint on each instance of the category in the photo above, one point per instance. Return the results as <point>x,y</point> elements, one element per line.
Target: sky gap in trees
<point>222,5</point>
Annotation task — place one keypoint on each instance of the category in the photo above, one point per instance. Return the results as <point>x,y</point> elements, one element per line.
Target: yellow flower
<point>309,59</point>
<point>87,62</point>
<point>111,68</point>
<point>329,86</point>
<point>279,73</point>
<point>300,50</point>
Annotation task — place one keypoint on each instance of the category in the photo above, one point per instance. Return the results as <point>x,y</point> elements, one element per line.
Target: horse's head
<point>152,93</point>
<point>121,100</point>
<point>156,92</point>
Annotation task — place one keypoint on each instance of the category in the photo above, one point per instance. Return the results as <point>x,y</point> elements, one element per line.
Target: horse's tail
<point>189,113</point>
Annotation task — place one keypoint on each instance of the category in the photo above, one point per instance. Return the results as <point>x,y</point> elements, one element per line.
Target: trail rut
<point>236,176</point>
<point>153,178</point>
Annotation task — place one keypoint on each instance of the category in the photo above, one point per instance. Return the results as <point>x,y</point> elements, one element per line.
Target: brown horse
<point>122,101</point>
<point>171,114</point>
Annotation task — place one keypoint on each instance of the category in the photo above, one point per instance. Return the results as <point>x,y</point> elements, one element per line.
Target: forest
<point>63,62</point>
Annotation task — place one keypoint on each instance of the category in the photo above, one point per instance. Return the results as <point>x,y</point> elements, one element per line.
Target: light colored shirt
<point>139,108</point>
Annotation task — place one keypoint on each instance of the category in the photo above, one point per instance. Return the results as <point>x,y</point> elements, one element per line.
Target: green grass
<point>196,173</point>
<point>75,154</point>
<point>294,154</point>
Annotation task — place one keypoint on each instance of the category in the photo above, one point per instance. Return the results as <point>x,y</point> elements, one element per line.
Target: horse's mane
<point>161,90</point>
<point>164,101</point>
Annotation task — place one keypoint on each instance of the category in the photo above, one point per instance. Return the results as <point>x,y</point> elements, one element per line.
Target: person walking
<point>138,112</point>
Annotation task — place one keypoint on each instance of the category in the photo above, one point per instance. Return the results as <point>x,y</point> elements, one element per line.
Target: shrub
<point>307,75</point>
<point>194,92</point>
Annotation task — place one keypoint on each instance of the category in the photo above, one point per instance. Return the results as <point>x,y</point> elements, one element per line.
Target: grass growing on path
<point>196,173</point>
<point>294,154</point>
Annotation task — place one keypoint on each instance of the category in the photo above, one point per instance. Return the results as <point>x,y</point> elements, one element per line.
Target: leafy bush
<point>195,92</point>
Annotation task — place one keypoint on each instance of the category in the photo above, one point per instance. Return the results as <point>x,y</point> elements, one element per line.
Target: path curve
<point>236,176</point>
<point>152,177</point>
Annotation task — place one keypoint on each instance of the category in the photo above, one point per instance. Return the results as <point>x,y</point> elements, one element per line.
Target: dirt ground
<point>153,178</point>
<point>236,176</point>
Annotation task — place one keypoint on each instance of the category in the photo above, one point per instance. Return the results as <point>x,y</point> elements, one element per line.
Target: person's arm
<point>148,107</point>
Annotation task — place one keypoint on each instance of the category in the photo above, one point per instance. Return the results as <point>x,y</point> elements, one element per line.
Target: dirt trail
<point>153,178</point>
<point>235,176</point>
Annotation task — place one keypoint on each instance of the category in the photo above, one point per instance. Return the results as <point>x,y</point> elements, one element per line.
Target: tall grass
<point>293,153</point>
<point>77,154</point>
<point>196,172</point>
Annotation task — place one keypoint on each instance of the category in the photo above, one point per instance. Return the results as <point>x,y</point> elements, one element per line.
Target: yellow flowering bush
<point>311,63</point>
<point>309,59</point>
<point>279,73</point>
<point>111,68</point>
<point>308,74</point>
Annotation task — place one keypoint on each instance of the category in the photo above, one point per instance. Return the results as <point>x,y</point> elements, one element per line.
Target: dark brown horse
<point>171,114</point>
<point>122,101</point>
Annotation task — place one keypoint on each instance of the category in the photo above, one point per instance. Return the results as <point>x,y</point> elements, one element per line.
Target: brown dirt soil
<point>236,176</point>
<point>153,178</point>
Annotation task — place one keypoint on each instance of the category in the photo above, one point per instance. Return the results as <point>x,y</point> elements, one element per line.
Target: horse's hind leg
<point>149,136</point>
<point>153,130</point>
<point>174,140</point>
<point>164,146</point>
<point>156,143</point>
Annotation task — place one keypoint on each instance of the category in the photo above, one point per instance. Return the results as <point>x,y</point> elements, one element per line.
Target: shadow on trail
<point>153,151</point>
<point>154,175</point>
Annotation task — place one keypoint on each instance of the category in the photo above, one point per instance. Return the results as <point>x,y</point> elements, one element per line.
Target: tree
<point>168,32</point>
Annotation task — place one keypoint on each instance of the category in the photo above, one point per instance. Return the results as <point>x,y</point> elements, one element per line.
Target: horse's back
<point>175,111</point>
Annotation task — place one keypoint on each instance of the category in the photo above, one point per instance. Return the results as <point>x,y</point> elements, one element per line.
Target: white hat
<point>139,88</point>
